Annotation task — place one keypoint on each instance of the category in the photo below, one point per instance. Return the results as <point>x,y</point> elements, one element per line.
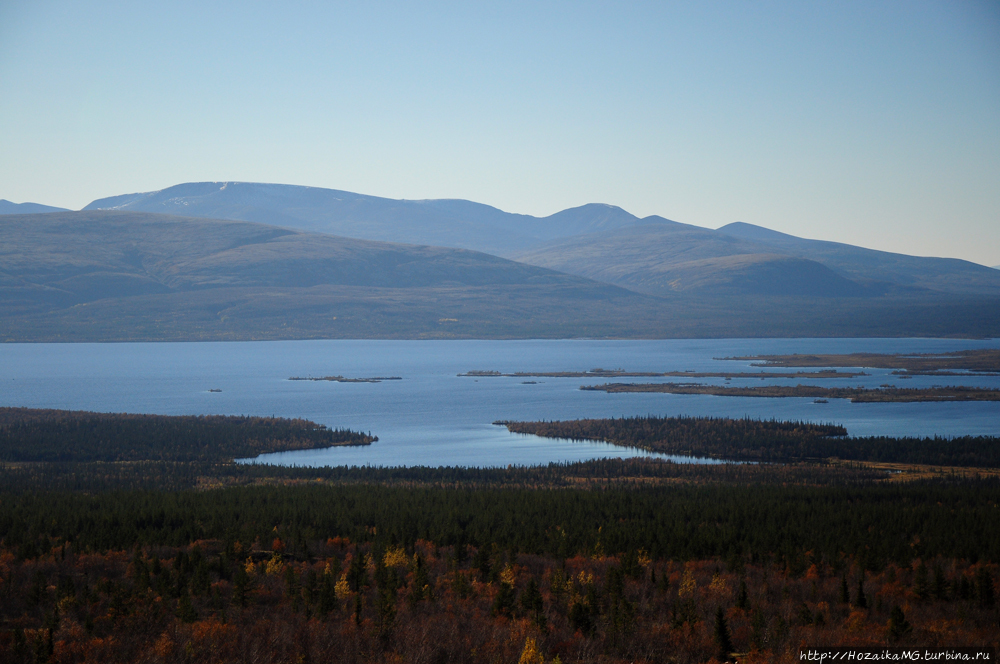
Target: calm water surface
<point>434,417</point>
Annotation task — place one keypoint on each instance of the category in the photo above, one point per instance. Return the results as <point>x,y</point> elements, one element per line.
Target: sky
<point>871,123</point>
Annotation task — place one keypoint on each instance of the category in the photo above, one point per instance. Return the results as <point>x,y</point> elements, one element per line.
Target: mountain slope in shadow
<point>871,266</point>
<point>667,258</point>
<point>101,254</point>
<point>126,276</point>
<point>112,275</point>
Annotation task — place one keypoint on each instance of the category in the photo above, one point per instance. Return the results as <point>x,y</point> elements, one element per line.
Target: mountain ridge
<point>438,222</point>
<point>654,255</point>
<point>8,207</point>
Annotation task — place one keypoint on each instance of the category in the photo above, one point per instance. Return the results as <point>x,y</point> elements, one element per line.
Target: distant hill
<point>667,258</point>
<point>103,275</point>
<point>445,223</point>
<point>6,207</point>
<point>749,260</point>
<point>869,266</point>
<point>117,276</point>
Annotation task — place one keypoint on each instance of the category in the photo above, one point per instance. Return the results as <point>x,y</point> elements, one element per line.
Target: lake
<point>434,417</point>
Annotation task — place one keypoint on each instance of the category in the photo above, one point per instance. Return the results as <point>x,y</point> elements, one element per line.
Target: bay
<point>434,417</point>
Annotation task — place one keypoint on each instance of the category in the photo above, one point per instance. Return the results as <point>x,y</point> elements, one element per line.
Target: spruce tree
<point>860,600</point>
<point>722,639</point>
<point>920,586</point>
<point>984,588</point>
<point>743,599</point>
<point>898,626</point>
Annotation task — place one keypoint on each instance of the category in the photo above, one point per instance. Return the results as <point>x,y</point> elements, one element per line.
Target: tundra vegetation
<point>172,553</point>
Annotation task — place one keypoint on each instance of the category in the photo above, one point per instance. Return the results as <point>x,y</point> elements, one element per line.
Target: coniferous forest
<point>137,539</point>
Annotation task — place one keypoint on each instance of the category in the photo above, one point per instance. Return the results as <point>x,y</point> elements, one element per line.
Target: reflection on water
<point>482,450</point>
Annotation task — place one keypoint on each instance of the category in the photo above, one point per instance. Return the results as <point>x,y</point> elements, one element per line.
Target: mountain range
<point>444,223</point>
<point>245,260</point>
<point>651,255</point>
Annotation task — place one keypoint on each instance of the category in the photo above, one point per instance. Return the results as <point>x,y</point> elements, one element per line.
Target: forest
<point>28,434</point>
<point>167,551</point>
<point>763,440</point>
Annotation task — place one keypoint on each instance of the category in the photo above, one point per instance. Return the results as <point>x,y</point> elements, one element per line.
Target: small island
<point>621,373</point>
<point>855,394</point>
<point>342,379</point>
<point>981,362</point>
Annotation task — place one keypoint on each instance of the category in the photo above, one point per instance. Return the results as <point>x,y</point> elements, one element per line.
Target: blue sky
<point>873,123</point>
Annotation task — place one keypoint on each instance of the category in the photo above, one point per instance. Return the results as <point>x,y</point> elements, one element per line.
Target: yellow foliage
<point>507,575</point>
<point>644,558</point>
<point>395,558</point>
<point>688,584</point>
<point>585,578</point>
<point>559,583</point>
<point>249,567</point>
<point>274,566</point>
<point>343,589</point>
<point>718,585</point>
<point>530,654</point>
<point>369,563</point>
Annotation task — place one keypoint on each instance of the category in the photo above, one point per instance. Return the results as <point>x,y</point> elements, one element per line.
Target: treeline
<point>238,601</point>
<point>878,523</point>
<point>35,435</point>
<point>596,473</point>
<point>768,440</point>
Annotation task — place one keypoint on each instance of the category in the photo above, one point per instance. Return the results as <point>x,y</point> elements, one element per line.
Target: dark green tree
<point>898,626</point>
<point>860,600</point>
<point>722,639</point>
<point>921,588</point>
<point>742,598</point>
<point>984,588</point>
<point>185,610</point>
<point>531,602</point>
<point>939,588</point>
